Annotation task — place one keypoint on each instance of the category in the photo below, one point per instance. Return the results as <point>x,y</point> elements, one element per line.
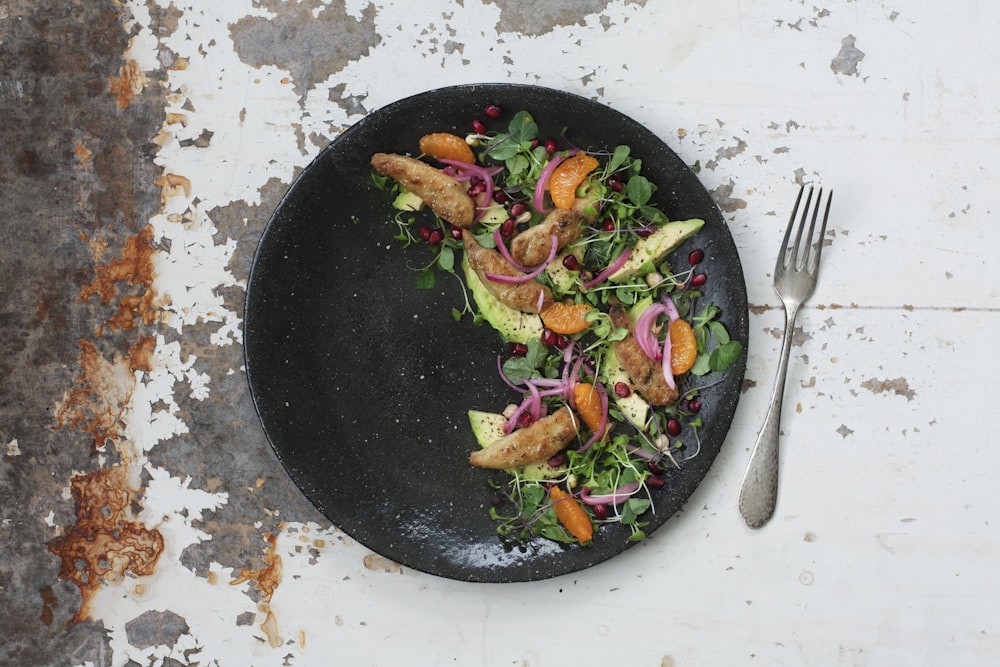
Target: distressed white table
<point>882,550</point>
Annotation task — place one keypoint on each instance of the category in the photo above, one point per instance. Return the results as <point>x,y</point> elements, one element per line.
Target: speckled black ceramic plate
<point>362,381</point>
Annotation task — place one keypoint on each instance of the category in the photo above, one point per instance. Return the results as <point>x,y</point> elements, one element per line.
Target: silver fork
<point>794,281</point>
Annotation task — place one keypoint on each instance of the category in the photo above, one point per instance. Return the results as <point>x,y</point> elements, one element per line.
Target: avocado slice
<point>513,325</point>
<point>407,201</point>
<point>651,250</point>
<point>634,406</point>
<point>487,427</point>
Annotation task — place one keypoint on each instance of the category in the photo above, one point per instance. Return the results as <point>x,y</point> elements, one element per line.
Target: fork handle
<point>759,490</point>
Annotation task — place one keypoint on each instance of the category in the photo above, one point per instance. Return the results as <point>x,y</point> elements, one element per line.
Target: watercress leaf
<point>518,166</point>
<point>639,190</point>
<point>719,331</point>
<point>523,126</point>
<point>426,279</point>
<point>701,365</point>
<point>518,369</point>
<point>504,150</point>
<point>618,158</point>
<point>446,259</point>
<point>637,536</point>
<point>456,314</point>
<point>723,356</point>
<point>537,353</point>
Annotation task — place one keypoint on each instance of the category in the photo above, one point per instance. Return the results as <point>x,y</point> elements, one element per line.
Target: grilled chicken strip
<point>646,375</point>
<point>532,444</point>
<point>528,297</point>
<point>532,246</point>
<point>442,193</point>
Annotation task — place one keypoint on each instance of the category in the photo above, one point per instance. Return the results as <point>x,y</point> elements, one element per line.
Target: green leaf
<point>504,150</point>
<point>723,356</point>
<point>523,127</point>
<point>518,166</point>
<point>446,259</point>
<point>426,279</point>
<point>701,365</point>
<point>639,190</point>
<point>719,331</point>
<point>456,314</point>
<point>618,159</point>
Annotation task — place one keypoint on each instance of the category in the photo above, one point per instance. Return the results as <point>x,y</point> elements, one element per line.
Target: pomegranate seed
<point>436,236</point>
<point>477,189</point>
<point>517,209</point>
<point>549,336</point>
<point>425,233</point>
<point>673,427</point>
<point>617,186</point>
<point>698,279</point>
<point>550,146</point>
<point>558,461</point>
<point>696,256</point>
<point>694,405</point>
<point>518,349</point>
<point>571,262</point>
<point>655,482</point>
<point>608,225</point>
<point>601,512</point>
<point>500,197</point>
<point>525,420</point>
<point>561,341</point>
<point>493,111</point>
<point>507,228</point>
<point>535,143</point>
<point>622,390</point>
<point>654,468</point>
<point>456,233</point>
<point>478,127</point>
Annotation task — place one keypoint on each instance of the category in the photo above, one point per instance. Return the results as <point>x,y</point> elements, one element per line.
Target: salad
<point>608,343</point>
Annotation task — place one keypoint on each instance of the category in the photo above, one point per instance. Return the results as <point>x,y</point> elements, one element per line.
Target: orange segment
<point>588,405</point>
<point>444,145</point>
<point>568,176</point>
<point>683,347</point>
<point>566,318</point>
<point>571,515</point>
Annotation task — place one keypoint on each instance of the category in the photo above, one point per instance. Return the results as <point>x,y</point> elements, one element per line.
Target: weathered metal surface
<point>144,519</point>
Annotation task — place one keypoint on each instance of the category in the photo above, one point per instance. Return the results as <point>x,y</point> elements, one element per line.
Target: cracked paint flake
<point>899,386</point>
<point>848,58</point>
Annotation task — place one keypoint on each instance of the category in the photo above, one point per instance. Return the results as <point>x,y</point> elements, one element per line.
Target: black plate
<point>362,381</point>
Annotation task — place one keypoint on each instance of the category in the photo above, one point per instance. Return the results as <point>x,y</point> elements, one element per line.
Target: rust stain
<point>49,602</point>
<point>134,267</point>
<point>266,580</point>
<point>106,543</point>
<point>97,246</point>
<point>82,153</point>
<point>128,84</point>
<point>173,185</point>
<point>100,393</point>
